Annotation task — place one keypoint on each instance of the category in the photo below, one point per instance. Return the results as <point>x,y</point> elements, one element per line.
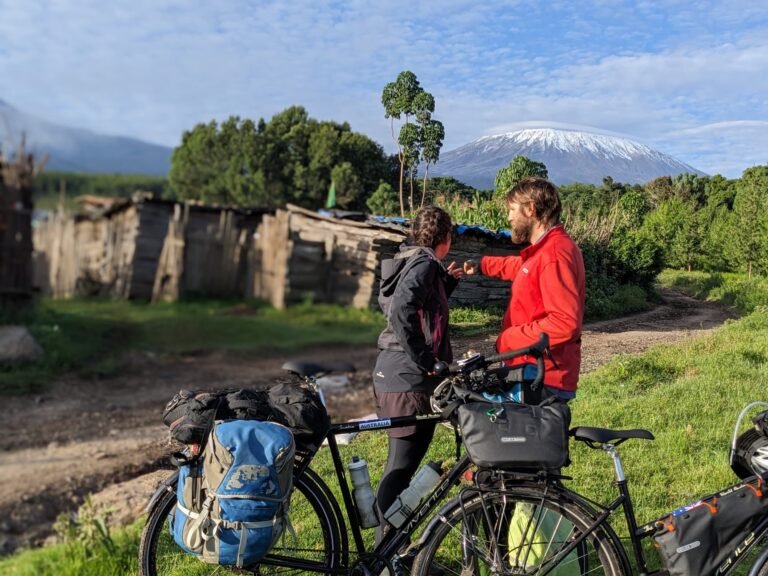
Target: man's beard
<point>521,231</point>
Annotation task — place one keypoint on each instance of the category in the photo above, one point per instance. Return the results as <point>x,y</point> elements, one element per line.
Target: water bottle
<point>421,485</point>
<point>363,493</point>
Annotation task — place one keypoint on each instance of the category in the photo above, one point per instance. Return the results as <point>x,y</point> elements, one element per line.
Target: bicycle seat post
<point>617,465</point>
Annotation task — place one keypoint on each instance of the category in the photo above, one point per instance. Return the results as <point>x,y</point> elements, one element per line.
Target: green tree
<point>415,142</point>
<point>674,226</point>
<point>448,186</point>
<point>659,190</point>
<point>633,207</point>
<point>347,184</point>
<point>409,144</point>
<point>291,158</point>
<point>397,99</point>
<point>384,201</point>
<point>198,163</point>
<point>432,135</point>
<point>520,167</point>
<point>751,222</point>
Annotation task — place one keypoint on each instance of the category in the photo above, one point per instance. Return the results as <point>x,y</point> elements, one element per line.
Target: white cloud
<point>665,74</point>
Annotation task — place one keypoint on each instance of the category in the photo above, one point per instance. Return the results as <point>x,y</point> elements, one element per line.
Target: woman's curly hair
<point>431,226</point>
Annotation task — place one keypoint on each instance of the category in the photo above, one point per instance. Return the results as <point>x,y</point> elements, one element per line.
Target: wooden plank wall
<point>161,251</point>
<point>268,259</point>
<point>56,263</point>
<point>150,234</point>
<point>205,252</point>
<point>170,267</point>
<point>336,261</point>
<point>303,256</point>
<point>480,290</point>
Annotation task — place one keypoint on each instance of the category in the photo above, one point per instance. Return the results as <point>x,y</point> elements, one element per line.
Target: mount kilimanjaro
<point>570,156</point>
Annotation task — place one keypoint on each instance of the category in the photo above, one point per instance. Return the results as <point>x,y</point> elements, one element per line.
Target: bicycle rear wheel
<point>320,545</point>
<point>515,531</point>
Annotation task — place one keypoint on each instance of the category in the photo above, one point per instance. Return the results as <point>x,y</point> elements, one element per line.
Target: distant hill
<point>570,156</point>
<point>77,150</point>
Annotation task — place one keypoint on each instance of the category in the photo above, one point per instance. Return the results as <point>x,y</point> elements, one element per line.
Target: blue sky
<point>688,78</point>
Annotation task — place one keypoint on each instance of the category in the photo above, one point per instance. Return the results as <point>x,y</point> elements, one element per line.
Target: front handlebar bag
<point>697,539</point>
<point>515,436</point>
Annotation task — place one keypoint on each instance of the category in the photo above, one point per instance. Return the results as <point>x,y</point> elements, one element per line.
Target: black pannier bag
<point>516,436</point>
<point>190,415</point>
<point>300,409</point>
<point>696,539</point>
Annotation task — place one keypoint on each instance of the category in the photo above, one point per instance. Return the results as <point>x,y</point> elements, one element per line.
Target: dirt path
<point>106,437</point>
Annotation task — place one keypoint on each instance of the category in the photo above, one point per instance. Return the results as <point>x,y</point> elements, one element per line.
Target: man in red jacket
<point>547,278</point>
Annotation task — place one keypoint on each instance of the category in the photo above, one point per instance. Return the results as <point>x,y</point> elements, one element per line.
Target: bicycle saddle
<point>604,435</point>
<point>310,369</point>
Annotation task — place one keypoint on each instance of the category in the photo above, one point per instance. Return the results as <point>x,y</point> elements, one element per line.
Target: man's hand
<point>471,267</point>
<point>454,271</point>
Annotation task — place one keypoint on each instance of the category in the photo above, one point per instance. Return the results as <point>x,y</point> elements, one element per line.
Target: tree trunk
<point>402,201</point>
<point>410,179</point>
<point>424,187</point>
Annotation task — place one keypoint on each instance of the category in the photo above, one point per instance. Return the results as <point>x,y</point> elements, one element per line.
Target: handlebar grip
<point>442,369</point>
<point>536,350</point>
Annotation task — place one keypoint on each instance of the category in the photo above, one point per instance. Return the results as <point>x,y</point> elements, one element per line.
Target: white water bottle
<point>421,485</point>
<point>363,493</point>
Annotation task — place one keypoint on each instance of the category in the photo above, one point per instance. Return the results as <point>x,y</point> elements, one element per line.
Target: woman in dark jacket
<point>414,297</point>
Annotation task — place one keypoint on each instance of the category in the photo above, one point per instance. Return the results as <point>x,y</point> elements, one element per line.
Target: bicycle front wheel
<point>515,531</point>
<point>319,544</point>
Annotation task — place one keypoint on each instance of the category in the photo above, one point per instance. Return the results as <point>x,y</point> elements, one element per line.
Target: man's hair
<point>431,226</point>
<point>544,195</point>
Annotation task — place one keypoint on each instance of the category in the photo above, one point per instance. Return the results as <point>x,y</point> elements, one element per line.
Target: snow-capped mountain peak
<point>569,155</point>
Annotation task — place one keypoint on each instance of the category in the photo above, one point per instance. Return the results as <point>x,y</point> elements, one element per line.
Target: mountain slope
<point>75,150</point>
<point>570,156</point>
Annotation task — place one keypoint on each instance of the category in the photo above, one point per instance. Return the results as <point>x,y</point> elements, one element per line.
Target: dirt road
<point>106,437</point>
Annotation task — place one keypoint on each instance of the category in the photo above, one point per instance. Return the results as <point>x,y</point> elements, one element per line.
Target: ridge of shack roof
<point>100,206</point>
<point>403,224</point>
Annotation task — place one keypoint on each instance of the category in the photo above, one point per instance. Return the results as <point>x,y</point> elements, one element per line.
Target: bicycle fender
<point>167,485</point>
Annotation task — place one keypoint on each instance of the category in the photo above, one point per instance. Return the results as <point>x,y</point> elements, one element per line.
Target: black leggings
<point>405,455</point>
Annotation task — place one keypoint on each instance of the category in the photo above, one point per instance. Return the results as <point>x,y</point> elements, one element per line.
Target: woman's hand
<point>454,271</point>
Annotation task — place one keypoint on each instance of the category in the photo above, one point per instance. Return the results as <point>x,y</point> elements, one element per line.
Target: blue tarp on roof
<point>459,229</point>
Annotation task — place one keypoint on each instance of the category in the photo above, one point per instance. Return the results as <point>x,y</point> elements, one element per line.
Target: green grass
<point>732,289</point>
<point>91,337</point>
<point>688,394</point>
<point>475,320</point>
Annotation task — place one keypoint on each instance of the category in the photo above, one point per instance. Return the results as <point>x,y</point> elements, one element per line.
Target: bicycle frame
<point>638,533</point>
<point>394,539</point>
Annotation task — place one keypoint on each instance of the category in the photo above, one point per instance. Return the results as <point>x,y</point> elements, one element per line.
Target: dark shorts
<point>394,404</point>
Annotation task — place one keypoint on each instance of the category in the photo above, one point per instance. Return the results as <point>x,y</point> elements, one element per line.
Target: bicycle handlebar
<point>536,350</point>
<point>478,362</point>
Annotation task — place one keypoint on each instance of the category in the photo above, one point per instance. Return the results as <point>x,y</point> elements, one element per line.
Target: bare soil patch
<point>105,437</point>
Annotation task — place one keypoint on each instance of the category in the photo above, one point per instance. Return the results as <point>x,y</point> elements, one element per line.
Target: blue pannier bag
<point>232,502</point>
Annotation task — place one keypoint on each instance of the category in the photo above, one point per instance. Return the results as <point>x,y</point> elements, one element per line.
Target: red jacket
<point>547,296</point>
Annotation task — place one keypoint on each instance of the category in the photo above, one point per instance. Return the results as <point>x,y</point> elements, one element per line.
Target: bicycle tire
<point>160,556</point>
<point>748,445</point>
<point>493,533</point>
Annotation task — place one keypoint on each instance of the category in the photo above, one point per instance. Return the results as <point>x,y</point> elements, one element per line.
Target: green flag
<point>331,202</point>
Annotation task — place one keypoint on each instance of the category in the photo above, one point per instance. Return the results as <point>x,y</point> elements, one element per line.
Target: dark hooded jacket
<point>413,295</point>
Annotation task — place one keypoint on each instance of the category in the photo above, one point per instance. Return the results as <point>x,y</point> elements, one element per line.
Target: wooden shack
<point>144,248</point>
<point>299,255</point>
<point>16,179</point>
